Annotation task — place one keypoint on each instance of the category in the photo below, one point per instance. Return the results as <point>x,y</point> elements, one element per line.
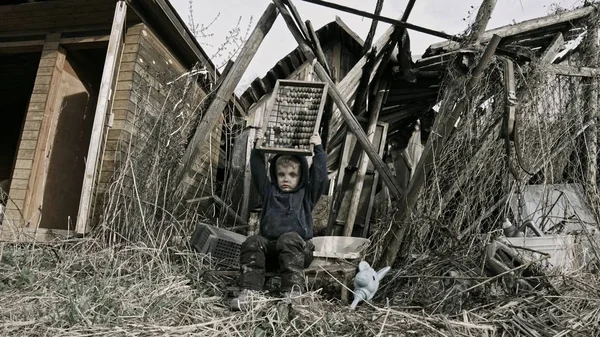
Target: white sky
<point>450,16</point>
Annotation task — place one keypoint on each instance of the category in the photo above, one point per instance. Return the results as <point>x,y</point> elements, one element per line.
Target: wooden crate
<point>295,116</point>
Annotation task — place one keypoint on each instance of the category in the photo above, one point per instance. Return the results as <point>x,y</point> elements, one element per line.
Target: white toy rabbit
<point>366,282</point>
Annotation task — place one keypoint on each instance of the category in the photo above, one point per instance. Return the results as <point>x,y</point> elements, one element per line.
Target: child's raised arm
<point>318,176</point>
<point>258,169</point>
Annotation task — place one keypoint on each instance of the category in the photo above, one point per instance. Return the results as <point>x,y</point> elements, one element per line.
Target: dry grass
<point>87,289</point>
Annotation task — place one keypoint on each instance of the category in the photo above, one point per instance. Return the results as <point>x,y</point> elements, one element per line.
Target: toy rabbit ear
<point>381,273</point>
<point>363,265</point>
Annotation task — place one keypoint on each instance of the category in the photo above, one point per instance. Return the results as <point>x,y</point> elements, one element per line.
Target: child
<point>286,222</point>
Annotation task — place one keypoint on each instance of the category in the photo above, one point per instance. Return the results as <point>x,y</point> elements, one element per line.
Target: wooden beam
<point>84,39</point>
<point>481,20</point>
<point>317,44</point>
<point>519,28</point>
<point>383,89</point>
<point>553,48</point>
<point>442,128</point>
<point>408,10</point>
<point>22,44</point>
<point>371,34</point>
<point>103,107</point>
<point>227,88</point>
<point>394,22</point>
<point>567,70</point>
<point>338,99</point>
<point>299,22</point>
<point>589,57</point>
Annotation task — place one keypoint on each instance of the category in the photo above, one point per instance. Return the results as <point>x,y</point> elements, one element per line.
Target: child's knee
<point>290,240</point>
<point>254,242</point>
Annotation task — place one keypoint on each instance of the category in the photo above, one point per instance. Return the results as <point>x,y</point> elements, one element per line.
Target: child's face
<point>287,177</point>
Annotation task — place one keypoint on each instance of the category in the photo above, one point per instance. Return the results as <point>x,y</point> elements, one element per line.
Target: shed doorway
<point>76,104</point>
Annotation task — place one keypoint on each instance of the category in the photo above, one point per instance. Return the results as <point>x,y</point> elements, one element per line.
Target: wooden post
<point>383,88</point>
<point>441,130</point>
<point>337,98</point>
<point>590,104</point>
<point>481,20</point>
<point>227,87</point>
<point>371,34</point>
<point>109,74</point>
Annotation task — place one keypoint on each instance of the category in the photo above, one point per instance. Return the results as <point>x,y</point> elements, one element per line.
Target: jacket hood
<point>304,171</point>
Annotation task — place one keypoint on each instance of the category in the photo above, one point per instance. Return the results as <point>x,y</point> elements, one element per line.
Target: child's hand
<point>260,135</point>
<point>315,139</point>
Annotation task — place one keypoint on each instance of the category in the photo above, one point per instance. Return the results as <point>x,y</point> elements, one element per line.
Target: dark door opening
<point>17,77</point>
<point>76,105</point>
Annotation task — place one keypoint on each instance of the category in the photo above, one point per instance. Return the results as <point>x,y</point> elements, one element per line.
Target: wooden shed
<point>71,76</point>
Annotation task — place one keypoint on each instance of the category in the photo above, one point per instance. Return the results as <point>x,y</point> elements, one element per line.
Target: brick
<point>27,145</point>
<point>17,194</point>
<point>44,79</point>
<point>20,184</point>
<point>23,164</point>
<point>41,89</point>
<point>32,125</point>
<point>18,203</point>
<point>30,135</point>
<point>36,107</point>
<point>21,174</point>
<point>45,71</point>
<point>35,116</point>
<point>49,54</point>
<point>128,58</point>
<point>38,98</point>
<point>26,154</point>
<point>47,62</point>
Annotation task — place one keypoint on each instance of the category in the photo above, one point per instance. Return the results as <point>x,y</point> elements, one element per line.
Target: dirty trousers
<point>289,254</point>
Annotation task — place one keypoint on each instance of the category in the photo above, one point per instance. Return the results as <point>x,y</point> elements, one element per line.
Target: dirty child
<point>286,222</point>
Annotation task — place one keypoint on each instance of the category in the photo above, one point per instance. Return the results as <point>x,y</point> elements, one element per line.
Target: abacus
<point>294,117</point>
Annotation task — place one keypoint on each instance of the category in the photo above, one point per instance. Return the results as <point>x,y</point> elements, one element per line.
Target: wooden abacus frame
<point>291,83</point>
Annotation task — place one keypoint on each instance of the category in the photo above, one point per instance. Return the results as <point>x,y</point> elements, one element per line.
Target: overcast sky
<point>450,16</point>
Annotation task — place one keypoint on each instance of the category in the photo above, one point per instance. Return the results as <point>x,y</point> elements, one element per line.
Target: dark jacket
<point>284,212</point>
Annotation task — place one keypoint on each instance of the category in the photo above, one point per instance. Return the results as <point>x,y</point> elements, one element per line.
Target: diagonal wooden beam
<point>338,99</point>
<point>481,20</point>
<point>109,75</point>
<point>373,28</point>
<point>317,46</point>
<point>553,48</point>
<point>226,89</point>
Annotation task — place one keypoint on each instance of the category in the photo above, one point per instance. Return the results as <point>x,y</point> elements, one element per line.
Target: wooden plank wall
<point>147,66</point>
<point>42,17</point>
<point>32,146</point>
